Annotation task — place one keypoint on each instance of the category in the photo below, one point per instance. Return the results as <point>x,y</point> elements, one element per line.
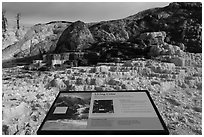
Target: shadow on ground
<point>18,61</point>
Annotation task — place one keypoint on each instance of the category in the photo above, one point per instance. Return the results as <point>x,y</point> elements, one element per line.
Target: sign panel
<point>103,113</point>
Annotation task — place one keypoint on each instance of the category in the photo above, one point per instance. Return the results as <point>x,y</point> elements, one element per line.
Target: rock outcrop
<point>76,37</point>
<point>153,38</point>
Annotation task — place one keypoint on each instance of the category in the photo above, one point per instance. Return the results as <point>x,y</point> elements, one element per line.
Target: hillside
<point>182,23</point>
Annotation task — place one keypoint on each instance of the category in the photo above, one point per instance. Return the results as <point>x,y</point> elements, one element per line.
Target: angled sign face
<point>110,112</point>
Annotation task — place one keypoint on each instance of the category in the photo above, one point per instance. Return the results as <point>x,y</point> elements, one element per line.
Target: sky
<point>44,12</point>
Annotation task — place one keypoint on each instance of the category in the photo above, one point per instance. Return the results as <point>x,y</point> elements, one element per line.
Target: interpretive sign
<point>109,112</point>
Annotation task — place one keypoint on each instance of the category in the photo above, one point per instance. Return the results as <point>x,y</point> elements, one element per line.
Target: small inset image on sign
<point>60,110</point>
<point>103,106</point>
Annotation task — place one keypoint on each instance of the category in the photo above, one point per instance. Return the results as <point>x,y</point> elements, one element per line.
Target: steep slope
<point>182,22</point>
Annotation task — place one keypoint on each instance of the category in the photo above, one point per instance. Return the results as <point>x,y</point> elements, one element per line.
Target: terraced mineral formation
<point>176,91</point>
